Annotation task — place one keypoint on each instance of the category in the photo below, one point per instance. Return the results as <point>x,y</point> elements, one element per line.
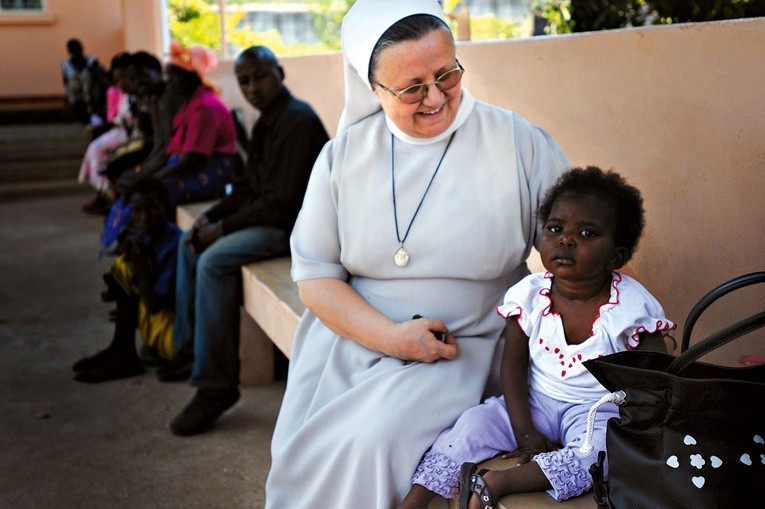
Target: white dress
<point>354,423</point>
<point>557,368</point>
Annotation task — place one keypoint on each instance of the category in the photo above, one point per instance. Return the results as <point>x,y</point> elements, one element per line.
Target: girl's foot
<point>473,483</point>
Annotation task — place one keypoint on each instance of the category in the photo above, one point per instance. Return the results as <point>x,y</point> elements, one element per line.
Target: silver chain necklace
<point>401,257</point>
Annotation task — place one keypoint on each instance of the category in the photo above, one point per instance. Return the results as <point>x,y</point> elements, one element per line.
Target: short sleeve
<point>526,300</point>
<point>637,311</point>
<point>315,243</point>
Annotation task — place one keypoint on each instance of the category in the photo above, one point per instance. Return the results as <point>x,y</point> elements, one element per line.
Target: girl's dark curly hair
<point>625,201</point>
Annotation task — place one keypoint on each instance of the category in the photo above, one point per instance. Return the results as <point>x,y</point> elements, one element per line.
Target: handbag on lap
<point>689,434</point>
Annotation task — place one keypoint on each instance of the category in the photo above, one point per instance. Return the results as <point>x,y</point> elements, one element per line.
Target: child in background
<point>120,118</point>
<point>579,309</point>
<point>142,282</point>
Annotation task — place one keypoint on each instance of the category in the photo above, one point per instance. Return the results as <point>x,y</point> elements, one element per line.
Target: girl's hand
<point>529,445</point>
<point>420,340</point>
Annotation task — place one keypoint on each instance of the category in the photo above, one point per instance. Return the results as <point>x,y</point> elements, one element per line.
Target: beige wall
<point>32,48</point>
<point>679,110</point>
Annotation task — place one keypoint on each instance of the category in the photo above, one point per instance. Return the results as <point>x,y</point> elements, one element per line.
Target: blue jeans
<point>208,290</point>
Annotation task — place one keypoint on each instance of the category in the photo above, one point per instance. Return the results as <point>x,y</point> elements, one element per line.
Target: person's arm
<point>204,233</point>
<point>653,342</point>
<point>514,375</point>
<point>189,163</point>
<point>346,313</point>
<point>284,176</point>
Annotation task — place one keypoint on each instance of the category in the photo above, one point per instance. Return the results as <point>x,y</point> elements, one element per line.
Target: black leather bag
<point>689,434</point>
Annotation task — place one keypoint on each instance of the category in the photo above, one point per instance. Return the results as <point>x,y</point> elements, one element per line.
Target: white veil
<point>362,26</point>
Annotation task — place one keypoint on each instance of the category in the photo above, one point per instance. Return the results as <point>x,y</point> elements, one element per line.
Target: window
<point>25,12</point>
<point>22,7</point>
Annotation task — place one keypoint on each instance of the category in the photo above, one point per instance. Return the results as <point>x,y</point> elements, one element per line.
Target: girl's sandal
<point>471,482</point>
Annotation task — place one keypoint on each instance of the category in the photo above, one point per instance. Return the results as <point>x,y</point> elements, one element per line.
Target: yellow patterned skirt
<point>156,329</point>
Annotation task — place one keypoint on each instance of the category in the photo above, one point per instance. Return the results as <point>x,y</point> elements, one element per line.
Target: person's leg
<point>547,414</point>
<point>480,433</point>
<point>218,290</point>
<point>119,359</point>
<point>179,368</point>
<point>215,372</point>
<point>185,279</point>
<point>568,468</point>
<point>525,478</point>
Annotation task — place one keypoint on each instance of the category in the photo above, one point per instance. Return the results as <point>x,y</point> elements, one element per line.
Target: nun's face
<point>413,62</point>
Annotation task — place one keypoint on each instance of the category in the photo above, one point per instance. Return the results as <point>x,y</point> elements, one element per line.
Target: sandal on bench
<point>471,482</point>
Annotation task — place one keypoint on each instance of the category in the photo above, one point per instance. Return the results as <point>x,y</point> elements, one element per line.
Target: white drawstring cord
<point>618,398</point>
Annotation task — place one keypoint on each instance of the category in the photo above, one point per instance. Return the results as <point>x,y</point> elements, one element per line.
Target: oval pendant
<point>401,258</point>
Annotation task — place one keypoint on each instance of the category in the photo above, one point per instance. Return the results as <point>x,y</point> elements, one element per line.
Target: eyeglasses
<point>416,93</point>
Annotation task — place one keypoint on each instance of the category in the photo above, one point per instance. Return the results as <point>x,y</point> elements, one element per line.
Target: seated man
<point>252,223</point>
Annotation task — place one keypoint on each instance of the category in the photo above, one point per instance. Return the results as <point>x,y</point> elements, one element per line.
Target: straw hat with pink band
<point>196,59</point>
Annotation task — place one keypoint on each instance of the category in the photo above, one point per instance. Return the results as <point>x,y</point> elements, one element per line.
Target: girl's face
<point>578,239</point>
<point>147,214</point>
<point>419,61</point>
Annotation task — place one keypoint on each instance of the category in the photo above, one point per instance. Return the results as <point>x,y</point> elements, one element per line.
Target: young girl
<point>578,309</point>
<point>120,118</point>
<point>142,283</point>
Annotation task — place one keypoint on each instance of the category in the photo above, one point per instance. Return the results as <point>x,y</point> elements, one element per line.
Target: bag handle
<point>721,337</point>
<point>709,298</point>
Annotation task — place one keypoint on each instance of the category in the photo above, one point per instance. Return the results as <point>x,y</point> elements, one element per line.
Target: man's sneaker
<point>202,411</point>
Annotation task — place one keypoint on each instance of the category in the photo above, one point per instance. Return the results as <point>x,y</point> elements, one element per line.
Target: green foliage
<point>328,18</point>
<point>194,22</point>
<point>557,13</point>
<point>489,27</point>
<point>587,15</point>
<point>674,11</point>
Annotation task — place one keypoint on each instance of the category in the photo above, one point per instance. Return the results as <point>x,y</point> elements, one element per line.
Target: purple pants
<point>484,431</point>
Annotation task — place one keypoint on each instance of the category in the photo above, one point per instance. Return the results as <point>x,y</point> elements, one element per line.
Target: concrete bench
<point>271,311</point>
